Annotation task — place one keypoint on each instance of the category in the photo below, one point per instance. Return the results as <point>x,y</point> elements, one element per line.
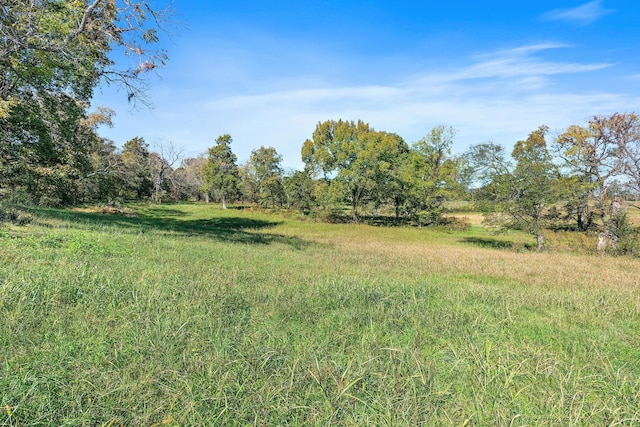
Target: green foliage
<point>52,56</point>
<point>136,160</point>
<point>263,177</point>
<point>299,189</point>
<point>624,233</point>
<point>220,172</point>
<point>46,148</point>
<point>12,214</point>
<point>519,196</point>
<point>431,175</point>
<point>358,159</point>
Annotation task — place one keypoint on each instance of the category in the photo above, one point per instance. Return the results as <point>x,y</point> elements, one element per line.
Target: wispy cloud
<point>586,14</point>
<point>502,96</point>
<point>516,63</point>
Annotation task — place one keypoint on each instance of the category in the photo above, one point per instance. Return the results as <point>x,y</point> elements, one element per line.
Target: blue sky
<point>266,72</point>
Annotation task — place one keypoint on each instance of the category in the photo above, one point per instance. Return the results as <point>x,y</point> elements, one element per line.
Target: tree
<point>63,47</point>
<point>592,157</point>
<point>521,195</point>
<point>107,179</point>
<point>298,187</point>
<point>45,150</point>
<point>355,156</point>
<point>263,175</point>
<point>161,163</point>
<point>432,173</point>
<point>53,53</point>
<point>221,172</point>
<point>189,181</point>
<point>136,158</point>
<point>601,153</point>
<point>624,131</point>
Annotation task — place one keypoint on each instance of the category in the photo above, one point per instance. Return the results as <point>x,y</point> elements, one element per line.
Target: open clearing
<point>191,315</point>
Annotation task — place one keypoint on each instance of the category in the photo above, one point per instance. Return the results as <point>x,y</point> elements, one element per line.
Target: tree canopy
<point>221,171</point>
<point>53,54</point>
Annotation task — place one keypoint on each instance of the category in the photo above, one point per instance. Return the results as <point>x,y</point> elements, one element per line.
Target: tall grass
<point>190,315</point>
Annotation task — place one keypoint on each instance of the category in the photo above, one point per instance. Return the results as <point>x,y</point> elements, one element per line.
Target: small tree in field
<point>298,187</point>
<point>519,194</point>
<point>431,174</point>
<point>221,172</point>
<point>263,177</point>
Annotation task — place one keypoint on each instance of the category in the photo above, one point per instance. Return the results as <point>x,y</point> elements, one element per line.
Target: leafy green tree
<point>46,150</point>
<point>220,171</point>
<point>327,195</point>
<point>263,176</point>
<point>136,159</point>
<point>53,53</point>
<point>520,195</point>
<point>358,159</point>
<point>432,175</point>
<point>298,188</point>
<point>64,46</point>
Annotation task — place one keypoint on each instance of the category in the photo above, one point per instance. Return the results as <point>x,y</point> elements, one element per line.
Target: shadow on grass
<point>226,229</point>
<point>485,242</point>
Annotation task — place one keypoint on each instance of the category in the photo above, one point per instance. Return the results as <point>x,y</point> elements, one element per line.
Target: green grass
<point>190,315</point>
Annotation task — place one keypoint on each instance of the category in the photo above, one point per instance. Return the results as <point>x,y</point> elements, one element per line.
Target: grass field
<point>190,315</point>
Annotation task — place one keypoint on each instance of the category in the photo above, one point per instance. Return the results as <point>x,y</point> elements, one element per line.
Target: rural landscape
<point>385,279</point>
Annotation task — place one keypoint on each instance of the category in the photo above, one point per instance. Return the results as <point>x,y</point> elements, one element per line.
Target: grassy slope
<point>189,315</point>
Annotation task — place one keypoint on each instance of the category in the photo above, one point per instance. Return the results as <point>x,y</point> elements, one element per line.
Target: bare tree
<point>161,163</point>
<point>624,130</point>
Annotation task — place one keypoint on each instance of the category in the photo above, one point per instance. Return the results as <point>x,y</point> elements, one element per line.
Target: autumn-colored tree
<point>624,131</point>
<point>593,160</point>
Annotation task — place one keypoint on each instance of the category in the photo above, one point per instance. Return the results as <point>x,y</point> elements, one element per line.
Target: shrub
<point>9,213</point>
<point>625,233</point>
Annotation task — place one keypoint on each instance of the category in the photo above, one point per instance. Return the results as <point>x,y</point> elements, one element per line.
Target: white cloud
<point>585,14</point>
<point>502,96</point>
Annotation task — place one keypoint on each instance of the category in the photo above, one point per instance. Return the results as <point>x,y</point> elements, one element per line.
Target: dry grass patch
<point>436,253</point>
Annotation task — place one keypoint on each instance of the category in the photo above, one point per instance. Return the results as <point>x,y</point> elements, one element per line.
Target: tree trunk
<point>224,203</point>
<point>540,242</point>
<point>206,197</point>
<point>354,205</point>
<point>354,212</point>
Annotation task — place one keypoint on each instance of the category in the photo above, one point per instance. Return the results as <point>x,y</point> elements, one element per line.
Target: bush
<point>452,223</point>
<point>11,214</point>
<point>625,233</point>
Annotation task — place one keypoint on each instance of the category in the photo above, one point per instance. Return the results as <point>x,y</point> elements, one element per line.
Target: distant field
<point>191,315</point>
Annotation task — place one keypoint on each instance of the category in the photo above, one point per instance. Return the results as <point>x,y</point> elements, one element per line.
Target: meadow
<point>193,315</point>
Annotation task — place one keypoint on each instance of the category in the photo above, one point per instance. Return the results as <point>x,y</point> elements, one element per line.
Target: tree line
<point>55,53</point>
<point>581,179</point>
<point>576,180</point>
